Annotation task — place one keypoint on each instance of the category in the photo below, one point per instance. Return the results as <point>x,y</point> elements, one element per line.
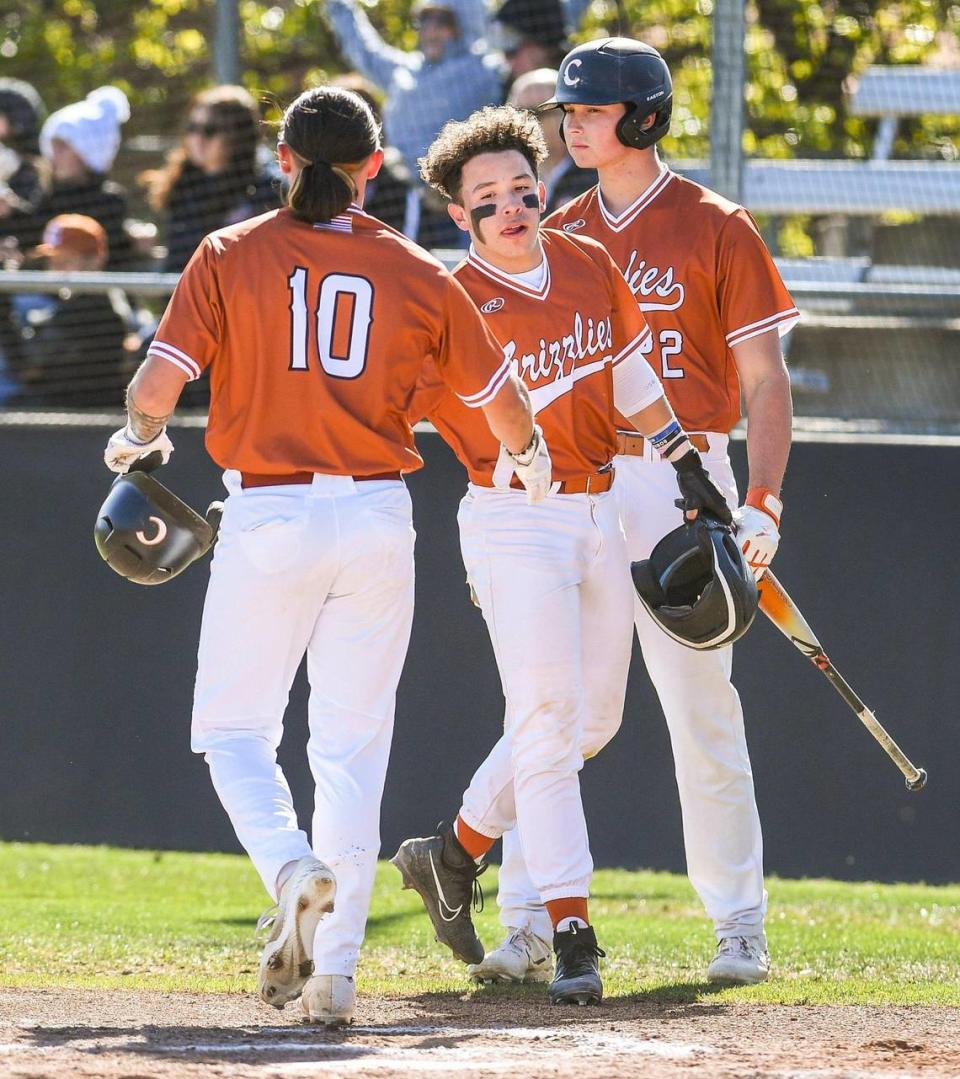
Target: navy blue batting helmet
<point>697,586</point>
<point>619,70</point>
<point>148,535</point>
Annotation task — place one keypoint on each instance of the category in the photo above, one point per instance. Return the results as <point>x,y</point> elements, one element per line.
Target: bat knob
<point>920,782</point>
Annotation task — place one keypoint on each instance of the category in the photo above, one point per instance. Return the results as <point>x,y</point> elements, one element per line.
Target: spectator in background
<point>533,34</point>
<point>393,195</point>
<point>562,179</point>
<point>449,76</point>
<point>80,142</point>
<point>215,177</point>
<point>22,175</point>
<point>73,343</point>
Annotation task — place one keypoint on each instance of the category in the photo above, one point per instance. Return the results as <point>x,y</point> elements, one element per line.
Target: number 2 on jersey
<point>671,344</point>
<point>343,317</point>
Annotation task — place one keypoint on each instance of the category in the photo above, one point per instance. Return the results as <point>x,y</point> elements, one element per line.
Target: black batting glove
<point>698,490</point>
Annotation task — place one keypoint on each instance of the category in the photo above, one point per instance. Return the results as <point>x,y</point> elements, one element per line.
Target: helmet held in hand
<point>697,586</point>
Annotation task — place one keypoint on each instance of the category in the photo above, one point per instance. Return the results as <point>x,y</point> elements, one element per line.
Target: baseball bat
<point>777,605</point>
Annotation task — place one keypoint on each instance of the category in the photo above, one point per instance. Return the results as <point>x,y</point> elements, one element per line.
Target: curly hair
<point>489,130</point>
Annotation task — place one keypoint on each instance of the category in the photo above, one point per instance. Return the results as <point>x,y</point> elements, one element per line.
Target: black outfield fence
<point>96,674</point>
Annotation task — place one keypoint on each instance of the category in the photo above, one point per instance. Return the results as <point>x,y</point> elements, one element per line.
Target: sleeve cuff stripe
<point>176,357</point>
<point>637,344</point>
<point>475,400</point>
<point>765,324</point>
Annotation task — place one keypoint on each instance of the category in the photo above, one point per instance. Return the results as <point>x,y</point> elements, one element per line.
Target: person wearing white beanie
<point>80,141</point>
<point>91,128</point>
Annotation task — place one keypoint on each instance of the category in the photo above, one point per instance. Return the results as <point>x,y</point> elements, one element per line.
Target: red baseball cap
<point>75,232</point>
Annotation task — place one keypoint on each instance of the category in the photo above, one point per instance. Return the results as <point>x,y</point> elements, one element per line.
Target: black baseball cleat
<point>445,877</point>
<point>577,980</point>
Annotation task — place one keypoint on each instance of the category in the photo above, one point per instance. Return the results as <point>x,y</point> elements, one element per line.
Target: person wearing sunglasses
<point>214,177</point>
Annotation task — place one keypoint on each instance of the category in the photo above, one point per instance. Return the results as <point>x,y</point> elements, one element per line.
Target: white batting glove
<point>534,468</point>
<point>758,536</point>
<point>123,449</point>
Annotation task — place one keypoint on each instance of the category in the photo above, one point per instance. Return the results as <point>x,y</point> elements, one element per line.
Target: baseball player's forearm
<point>769,409</point>
<point>510,415</point>
<point>152,396</point>
<point>648,421</point>
<point>660,426</point>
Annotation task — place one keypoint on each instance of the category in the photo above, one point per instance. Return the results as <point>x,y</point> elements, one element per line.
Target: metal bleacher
<point>880,337</point>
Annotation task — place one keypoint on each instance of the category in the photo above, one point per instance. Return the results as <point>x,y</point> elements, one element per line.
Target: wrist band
<point>661,438</point>
<point>672,442</point>
<point>762,498</point>
<point>526,449</point>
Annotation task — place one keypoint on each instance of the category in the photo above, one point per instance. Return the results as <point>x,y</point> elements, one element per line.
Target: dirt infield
<point>117,1035</point>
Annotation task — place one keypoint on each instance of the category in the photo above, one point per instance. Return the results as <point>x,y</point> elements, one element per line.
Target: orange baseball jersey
<point>563,339</point>
<point>704,279</point>
<point>315,336</point>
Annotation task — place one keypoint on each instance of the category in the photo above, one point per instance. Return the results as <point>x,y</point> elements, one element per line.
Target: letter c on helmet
<point>159,537</point>
<point>574,80</point>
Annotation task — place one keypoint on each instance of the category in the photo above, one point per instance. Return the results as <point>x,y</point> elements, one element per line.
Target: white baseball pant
<point>553,583</point>
<point>721,826</point>
<point>327,570</point>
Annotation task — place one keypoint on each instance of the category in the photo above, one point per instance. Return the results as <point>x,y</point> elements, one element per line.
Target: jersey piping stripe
<point>492,388</point>
<point>175,356</point>
<point>636,345</point>
<point>491,271</point>
<point>617,223</point>
<point>783,320</point>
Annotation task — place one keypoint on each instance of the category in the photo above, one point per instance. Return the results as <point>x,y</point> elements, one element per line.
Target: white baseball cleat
<point>330,999</point>
<point>286,963</point>
<point>740,961</point>
<point>522,957</point>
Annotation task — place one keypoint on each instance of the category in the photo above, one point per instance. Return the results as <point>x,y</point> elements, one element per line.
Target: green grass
<point>104,918</point>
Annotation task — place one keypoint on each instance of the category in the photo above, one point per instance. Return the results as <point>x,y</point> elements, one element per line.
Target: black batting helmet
<point>697,585</point>
<point>619,69</point>
<point>146,534</point>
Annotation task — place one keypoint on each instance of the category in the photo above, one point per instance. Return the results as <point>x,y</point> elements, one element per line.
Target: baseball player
<point>716,306</point>
<point>315,322</point>
<point>552,580</point>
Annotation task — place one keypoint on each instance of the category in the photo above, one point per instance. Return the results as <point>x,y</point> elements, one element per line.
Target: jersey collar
<point>617,223</point>
<point>504,278</point>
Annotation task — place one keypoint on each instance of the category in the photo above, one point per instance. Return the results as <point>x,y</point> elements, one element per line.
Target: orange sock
<point>558,909</point>
<point>475,844</point>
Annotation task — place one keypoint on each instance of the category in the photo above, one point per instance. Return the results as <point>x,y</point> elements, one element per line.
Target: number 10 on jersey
<point>343,315</point>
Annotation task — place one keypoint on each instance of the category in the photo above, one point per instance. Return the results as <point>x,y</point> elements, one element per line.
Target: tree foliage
<point>800,54</point>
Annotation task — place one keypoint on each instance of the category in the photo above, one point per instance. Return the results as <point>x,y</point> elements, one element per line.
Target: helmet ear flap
<point>647,584</point>
<point>632,133</point>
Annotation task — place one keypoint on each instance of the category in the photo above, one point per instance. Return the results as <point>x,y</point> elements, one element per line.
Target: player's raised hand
<point>698,490</point>
<point>534,468</point>
<point>122,449</point>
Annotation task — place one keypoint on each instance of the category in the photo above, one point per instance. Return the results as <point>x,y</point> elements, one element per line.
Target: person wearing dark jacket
<point>80,142</point>
<point>22,178</point>
<point>214,178</point>
<point>73,353</point>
